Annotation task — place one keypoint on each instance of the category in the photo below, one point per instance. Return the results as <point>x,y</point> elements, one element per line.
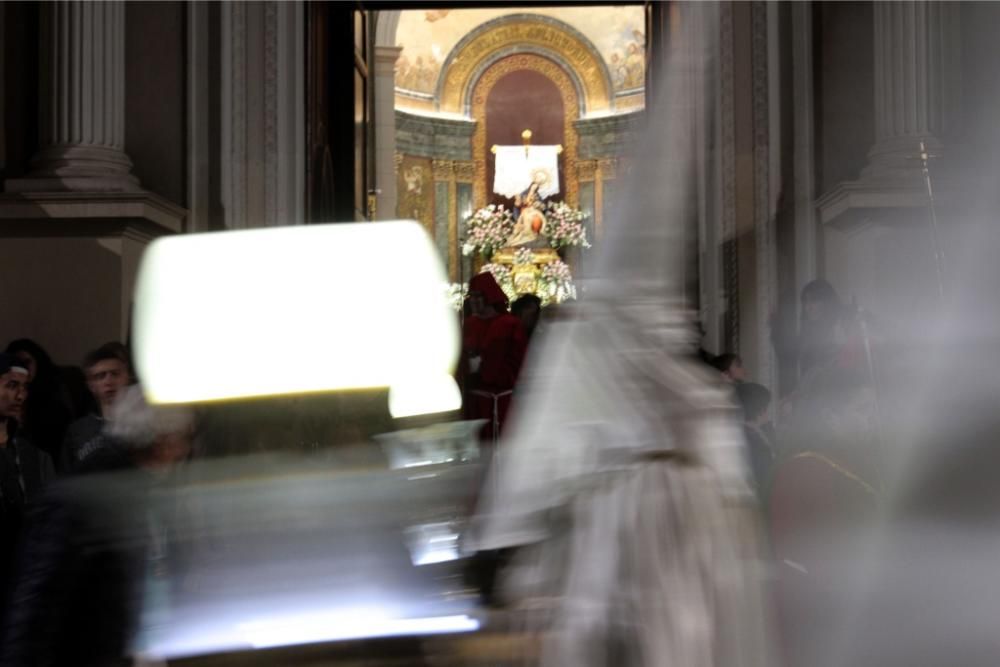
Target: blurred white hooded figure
<point>624,479</point>
<point>159,436</point>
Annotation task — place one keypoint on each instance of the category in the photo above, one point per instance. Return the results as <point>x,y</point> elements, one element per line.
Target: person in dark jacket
<point>755,399</point>
<point>107,373</point>
<point>47,410</point>
<point>24,469</point>
<point>528,309</point>
<point>97,548</point>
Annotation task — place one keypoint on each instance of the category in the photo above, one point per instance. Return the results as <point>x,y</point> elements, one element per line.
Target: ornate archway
<point>469,60</point>
<point>571,106</point>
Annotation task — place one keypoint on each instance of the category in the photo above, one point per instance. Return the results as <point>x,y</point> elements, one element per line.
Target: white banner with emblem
<point>517,167</point>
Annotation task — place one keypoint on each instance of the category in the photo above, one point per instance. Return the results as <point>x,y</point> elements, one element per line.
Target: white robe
<point>625,474</point>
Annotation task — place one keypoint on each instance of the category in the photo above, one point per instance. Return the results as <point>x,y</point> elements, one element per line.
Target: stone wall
<point>608,137</point>
<point>436,138</point>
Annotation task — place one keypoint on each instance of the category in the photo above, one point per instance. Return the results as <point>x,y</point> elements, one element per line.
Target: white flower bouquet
<point>487,230</point>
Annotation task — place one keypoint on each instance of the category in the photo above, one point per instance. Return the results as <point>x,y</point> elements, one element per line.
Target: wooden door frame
<point>331,63</point>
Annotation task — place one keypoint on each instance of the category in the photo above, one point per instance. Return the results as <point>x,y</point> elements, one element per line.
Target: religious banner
<point>518,167</point>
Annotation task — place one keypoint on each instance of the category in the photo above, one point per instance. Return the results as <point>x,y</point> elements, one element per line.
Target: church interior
<point>488,75</point>
<point>754,223</point>
<point>261,114</point>
<point>239,117</point>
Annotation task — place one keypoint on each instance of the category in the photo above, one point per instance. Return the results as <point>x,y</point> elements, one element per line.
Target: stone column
<point>917,82</point>
<point>83,102</point>
<point>385,130</point>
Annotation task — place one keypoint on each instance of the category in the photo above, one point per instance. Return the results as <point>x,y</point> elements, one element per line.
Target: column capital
<point>385,60</point>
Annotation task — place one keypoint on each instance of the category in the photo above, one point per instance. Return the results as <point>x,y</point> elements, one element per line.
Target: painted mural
<point>618,33</point>
<point>415,188</point>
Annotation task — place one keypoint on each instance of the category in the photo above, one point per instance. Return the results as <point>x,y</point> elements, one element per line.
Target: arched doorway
<point>464,80</point>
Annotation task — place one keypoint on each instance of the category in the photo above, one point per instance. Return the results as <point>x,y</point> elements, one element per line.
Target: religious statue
<point>531,221</point>
<point>414,177</point>
<point>527,174</point>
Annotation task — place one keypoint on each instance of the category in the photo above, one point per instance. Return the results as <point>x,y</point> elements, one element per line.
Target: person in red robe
<point>493,347</point>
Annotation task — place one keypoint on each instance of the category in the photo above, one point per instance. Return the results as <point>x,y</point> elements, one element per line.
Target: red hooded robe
<point>500,342</point>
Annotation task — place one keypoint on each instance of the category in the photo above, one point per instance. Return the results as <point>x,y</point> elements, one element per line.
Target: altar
<point>522,244</point>
<point>526,268</point>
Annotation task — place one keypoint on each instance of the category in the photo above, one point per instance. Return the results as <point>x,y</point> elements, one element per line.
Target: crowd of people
<point>65,597</point>
<point>50,424</point>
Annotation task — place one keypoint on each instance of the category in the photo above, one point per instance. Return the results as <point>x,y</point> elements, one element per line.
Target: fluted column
<point>83,102</point>
<point>917,81</point>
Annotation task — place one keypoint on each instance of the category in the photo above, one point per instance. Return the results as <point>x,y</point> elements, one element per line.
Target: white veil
<point>624,465</point>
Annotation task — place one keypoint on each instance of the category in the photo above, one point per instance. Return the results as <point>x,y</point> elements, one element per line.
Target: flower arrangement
<point>564,225</point>
<point>487,230</point>
<point>456,293</point>
<point>555,284</point>
<point>524,256</point>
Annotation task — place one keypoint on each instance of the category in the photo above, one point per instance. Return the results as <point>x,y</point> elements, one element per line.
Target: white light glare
<point>291,310</point>
<point>426,395</point>
<point>348,624</point>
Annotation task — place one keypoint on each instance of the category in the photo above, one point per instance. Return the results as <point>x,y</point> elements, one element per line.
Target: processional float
<point>520,244</point>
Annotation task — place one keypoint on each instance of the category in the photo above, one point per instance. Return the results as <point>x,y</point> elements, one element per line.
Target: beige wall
<point>63,292</point>
<point>888,268</point>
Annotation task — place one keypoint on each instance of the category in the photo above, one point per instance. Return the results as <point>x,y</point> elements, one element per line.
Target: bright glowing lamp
<point>423,396</point>
<point>349,624</point>
<point>278,311</point>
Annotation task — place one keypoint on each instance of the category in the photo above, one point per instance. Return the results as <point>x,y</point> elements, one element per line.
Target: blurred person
<point>819,325</point>
<point>904,573</point>
<point>14,389</point>
<point>825,483</point>
<point>494,345</point>
<point>827,473</point>
<point>623,490</point>
<point>528,309</point>
<point>49,409</point>
<point>829,331</point>
<point>731,367</point>
<point>623,482</point>
<point>702,355</point>
<point>755,399</point>
<point>98,551</point>
<point>924,591</point>
<point>485,301</point>
<point>475,319</point>
<point>24,469</point>
<point>107,372</point>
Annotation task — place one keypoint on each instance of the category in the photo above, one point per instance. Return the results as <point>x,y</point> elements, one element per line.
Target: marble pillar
<point>385,130</point>
<point>83,102</point>
<point>917,83</point>
<point>917,92</point>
